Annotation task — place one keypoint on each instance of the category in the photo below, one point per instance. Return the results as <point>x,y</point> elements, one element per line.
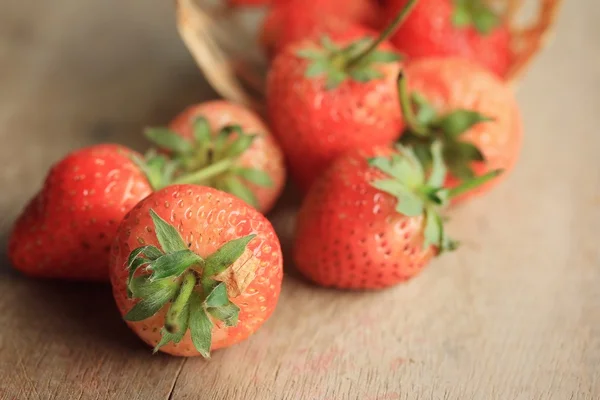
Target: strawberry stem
<point>387,32</point>
<point>473,183</point>
<point>205,173</point>
<point>185,291</point>
<point>407,111</point>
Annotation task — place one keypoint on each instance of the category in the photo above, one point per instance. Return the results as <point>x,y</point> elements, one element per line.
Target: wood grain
<point>514,314</point>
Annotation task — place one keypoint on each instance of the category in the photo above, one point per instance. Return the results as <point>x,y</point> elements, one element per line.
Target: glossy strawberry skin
<point>290,21</point>
<point>264,154</point>
<point>451,83</point>
<point>348,234</point>
<point>314,125</point>
<point>429,32</point>
<point>206,218</point>
<point>66,230</point>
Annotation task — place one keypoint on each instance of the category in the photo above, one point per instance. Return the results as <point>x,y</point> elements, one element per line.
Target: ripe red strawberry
<point>466,28</point>
<point>194,257</point>
<point>226,146</point>
<point>371,221</point>
<point>293,20</point>
<point>361,11</point>
<point>66,230</point>
<point>469,109</point>
<point>327,97</point>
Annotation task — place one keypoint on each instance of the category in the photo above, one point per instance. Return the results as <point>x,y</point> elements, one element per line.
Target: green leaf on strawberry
<point>205,159</point>
<point>417,194</point>
<point>425,126</point>
<point>356,61</point>
<point>200,326</point>
<point>180,280</point>
<point>475,13</point>
<point>158,169</point>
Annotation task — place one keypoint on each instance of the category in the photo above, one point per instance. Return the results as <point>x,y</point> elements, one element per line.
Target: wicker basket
<point>224,42</point>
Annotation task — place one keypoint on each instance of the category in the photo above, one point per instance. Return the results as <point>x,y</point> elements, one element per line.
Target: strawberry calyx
<point>158,169</point>
<point>421,195</point>
<point>357,60</point>
<point>212,160</point>
<point>177,278</point>
<point>476,13</point>
<point>425,126</point>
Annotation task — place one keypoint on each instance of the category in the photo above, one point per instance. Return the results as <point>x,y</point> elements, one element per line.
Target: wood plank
<point>514,314</point>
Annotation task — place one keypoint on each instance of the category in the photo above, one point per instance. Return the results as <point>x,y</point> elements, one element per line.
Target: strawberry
<point>372,220</point>
<point>465,28</point>
<point>293,20</point>
<point>326,97</point>
<point>361,11</point>
<point>226,146</point>
<point>66,230</point>
<point>470,110</point>
<point>195,269</point>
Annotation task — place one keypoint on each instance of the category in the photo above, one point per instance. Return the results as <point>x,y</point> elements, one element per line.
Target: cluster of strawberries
<point>378,145</point>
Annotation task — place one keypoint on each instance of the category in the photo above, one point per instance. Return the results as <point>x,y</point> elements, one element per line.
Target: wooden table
<point>514,314</point>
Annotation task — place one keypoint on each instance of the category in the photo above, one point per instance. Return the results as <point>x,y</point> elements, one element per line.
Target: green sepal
<point>146,252</point>
<point>137,263</point>
<point>331,61</point>
<point>167,139</point>
<point>432,232</point>
<point>255,176</point>
<point>239,145</point>
<point>201,130</point>
<point>459,156</point>
<point>485,20</point>
<point>365,74</point>
<point>328,44</point>
<point>435,234</point>
<point>437,176</point>
<point>335,79</point>
<point>426,114</point>
<point>357,46</point>
<point>159,170</point>
<point>310,53</point>
<point>183,322</point>
<point>475,13</point>
<point>138,257</point>
<point>316,68</point>
<point>173,264</point>
<point>200,326</point>
<point>228,313</point>
<point>402,166</point>
<point>138,285</point>
<point>226,255</point>
<point>459,121</point>
<point>142,286</point>
<point>222,139</point>
<point>217,297</point>
<point>408,202</point>
<point>170,240</point>
<point>158,295</point>
<point>232,184</point>
<point>461,17</point>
